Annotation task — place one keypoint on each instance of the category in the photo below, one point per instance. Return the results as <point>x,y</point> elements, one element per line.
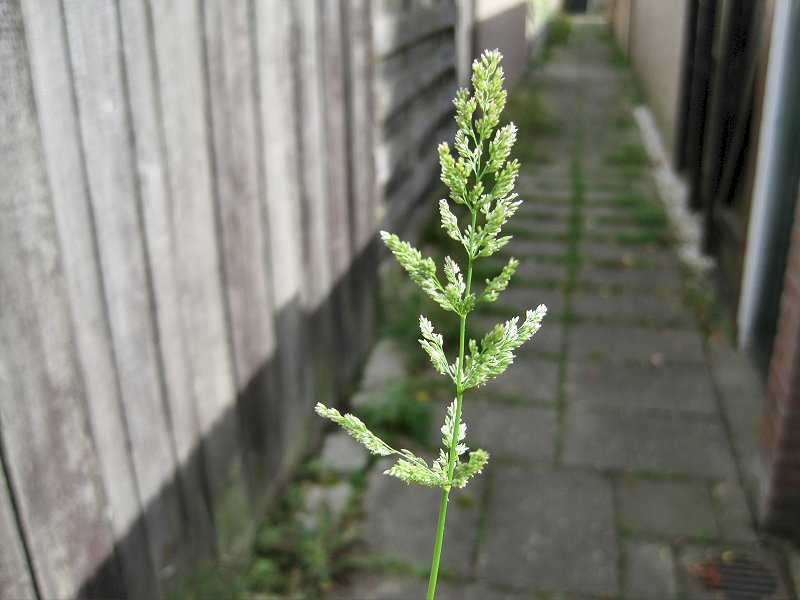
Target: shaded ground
<point>623,437</point>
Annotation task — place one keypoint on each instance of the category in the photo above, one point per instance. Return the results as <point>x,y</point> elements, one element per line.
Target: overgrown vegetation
<point>299,552</point>
<point>558,31</point>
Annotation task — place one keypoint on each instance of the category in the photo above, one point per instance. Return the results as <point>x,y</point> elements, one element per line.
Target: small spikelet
<point>449,426</point>
<point>356,428</point>
<point>477,460</point>
<point>432,344</point>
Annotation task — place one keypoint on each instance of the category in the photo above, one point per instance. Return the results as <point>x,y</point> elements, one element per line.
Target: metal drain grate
<point>736,576</point>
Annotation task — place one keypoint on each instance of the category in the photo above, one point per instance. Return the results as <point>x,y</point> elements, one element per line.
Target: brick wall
<point>780,432</point>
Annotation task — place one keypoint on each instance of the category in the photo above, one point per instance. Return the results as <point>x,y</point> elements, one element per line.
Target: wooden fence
<point>189,197</point>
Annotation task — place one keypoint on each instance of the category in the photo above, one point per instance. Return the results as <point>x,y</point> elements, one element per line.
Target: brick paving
<point>622,439</point>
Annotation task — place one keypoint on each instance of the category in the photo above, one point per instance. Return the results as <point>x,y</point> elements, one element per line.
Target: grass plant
<point>481,180</point>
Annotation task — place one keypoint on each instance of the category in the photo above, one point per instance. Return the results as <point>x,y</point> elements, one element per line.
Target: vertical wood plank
<point>335,124</point>
<point>313,159</point>
<point>15,573</point>
<point>95,52</point>
<point>179,64</point>
<point>345,327</point>
<point>361,174</point>
<point>158,223</point>
<point>315,215</point>
<point>280,149</point>
<point>52,85</point>
<point>362,125</point>
<point>234,135</point>
<point>281,198</point>
<point>46,445</point>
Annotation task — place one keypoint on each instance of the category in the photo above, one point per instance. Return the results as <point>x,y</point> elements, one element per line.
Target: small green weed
<point>558,31</point>
<point>405,411</point>
<point>629,155</point>
<point>714,317</point>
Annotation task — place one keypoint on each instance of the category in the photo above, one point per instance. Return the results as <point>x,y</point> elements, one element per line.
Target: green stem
<point>451,462</point>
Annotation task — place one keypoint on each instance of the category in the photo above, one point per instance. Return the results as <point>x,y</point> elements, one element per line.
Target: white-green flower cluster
<point>480,177</point>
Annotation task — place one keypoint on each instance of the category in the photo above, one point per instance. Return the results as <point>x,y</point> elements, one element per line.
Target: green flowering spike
<point>450,222</point>
<point>453,174</point>
<point>356,428</point>
<point>497,348</point>
<point>463,472</point>
<point>421,270</point>
<point>449,427</point>
<point>480,176</point>
<point>499,283</point>
<point>413,472</point>
<point>500,147</point>
<point>432,344</point>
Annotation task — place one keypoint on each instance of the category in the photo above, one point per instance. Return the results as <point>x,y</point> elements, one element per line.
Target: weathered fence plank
<point>335,124</point>
<point>280,150</point>
<point>52,84</point>
<point>346,330</point>
<point>15,574</point>
<point>313,158</point>
<point>95,51</point>
<point>160,240</point>
<point>316,209</point>
<point>46,447</point>
<point>230,60</point>
<point>361,117</point>
<point>179,64</point>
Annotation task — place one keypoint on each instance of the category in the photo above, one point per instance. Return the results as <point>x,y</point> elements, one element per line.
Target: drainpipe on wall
<point>773,167</point>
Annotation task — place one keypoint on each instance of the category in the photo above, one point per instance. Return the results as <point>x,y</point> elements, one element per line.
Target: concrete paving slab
<point>342,454</point>
<point>667,508</point>
<point>545,209</point>
<point>735,519</point>
<point>649,571</point>
<point>620,229</point>
<point>550,531</point>
<point>523,434</point>
<point>653,255</point>
<point>380,586</point>
<point>603,192</point>
<point>640,387</point>
<point>518,298</point>
<point>741,392</point>
<point>630,277</point>
<point>521,247</point>
<point>391,506</point>
<point>529,270</point>
<point>527,379</point>
<point>654,307</point>
<point>538,271</point>
<point>635,343</point>
<point>650,444</point>
<point>386,363</point>
<point>532,228</point>
<point>383,586</point>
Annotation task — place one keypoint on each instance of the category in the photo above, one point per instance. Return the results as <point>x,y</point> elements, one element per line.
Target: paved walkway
<point>623,437</point>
